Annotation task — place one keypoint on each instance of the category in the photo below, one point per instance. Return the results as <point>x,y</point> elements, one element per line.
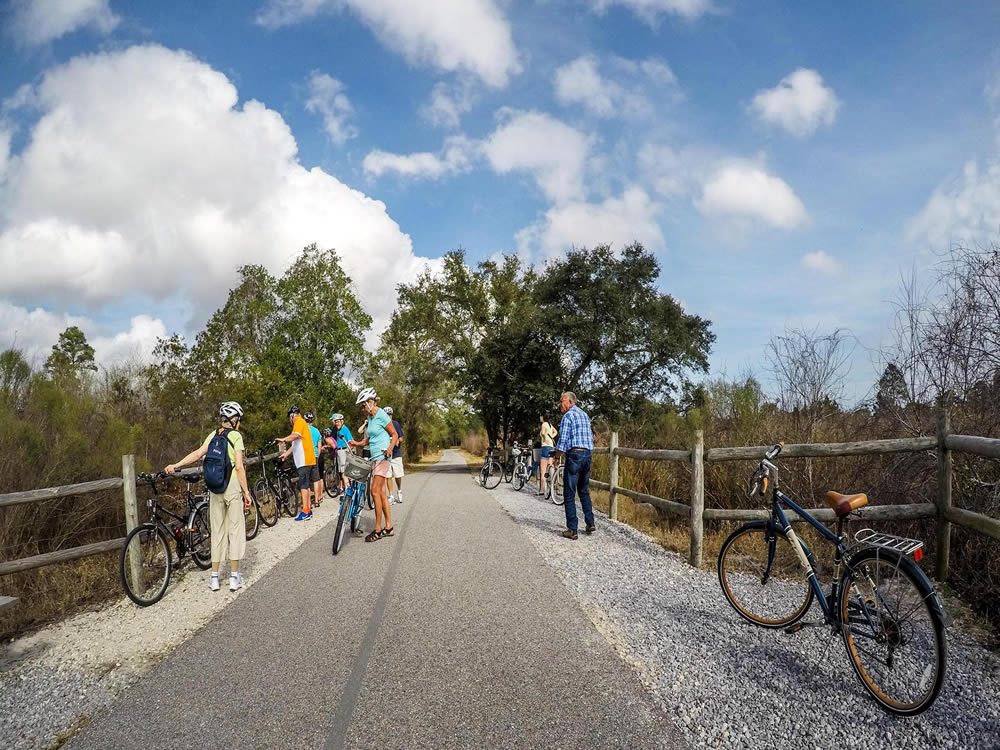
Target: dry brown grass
<point>425,462</point>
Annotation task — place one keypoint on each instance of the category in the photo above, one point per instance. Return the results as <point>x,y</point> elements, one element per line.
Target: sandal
<point>387,532</point>
<point>374,536</point>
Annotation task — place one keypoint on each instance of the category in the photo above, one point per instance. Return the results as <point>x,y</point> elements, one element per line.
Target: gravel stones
<point>727,684</point>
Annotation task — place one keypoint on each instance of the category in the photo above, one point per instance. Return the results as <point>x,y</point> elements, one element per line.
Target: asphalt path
<point>452,634</point>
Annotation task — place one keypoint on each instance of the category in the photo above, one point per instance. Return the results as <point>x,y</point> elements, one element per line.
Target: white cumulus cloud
<point>552,151</point>
<point>40,21</point>
<point>625,93</point>
<point>747,191</point>
<point>144,179</point>
<point>448,103</point>
<point>964,210</point>
<point>821,262</point>
<point>35,331</point>
<point>327,98</point>
<point>800,103</point>
<point>649,10</point>
<point>450,35</point>
<point>455,157</point>
<point>618,221</point>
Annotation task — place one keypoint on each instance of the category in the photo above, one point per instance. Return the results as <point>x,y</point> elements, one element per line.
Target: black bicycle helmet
<point>293,409</point>
<point>327,432</point>
<point>308,416</point>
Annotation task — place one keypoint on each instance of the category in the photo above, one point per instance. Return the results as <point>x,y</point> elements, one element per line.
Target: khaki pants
<point>229,532</point>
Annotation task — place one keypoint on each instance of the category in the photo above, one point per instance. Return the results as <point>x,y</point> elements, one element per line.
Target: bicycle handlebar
<point>775,450</point>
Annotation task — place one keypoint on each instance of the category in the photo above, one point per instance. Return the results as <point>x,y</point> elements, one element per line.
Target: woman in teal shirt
<point>381,438</point>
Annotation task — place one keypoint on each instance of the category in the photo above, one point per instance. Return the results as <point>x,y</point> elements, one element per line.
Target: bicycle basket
<point>357,467</point>
<point>515,452</point>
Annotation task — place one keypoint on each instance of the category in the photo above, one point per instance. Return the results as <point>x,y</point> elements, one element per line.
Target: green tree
<point>624,340</point>
<point>479,330</point>
<point>14,375</point>
<point>71,354</point>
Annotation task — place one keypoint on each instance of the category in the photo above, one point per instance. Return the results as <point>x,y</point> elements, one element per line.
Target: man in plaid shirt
<point>576,442</point>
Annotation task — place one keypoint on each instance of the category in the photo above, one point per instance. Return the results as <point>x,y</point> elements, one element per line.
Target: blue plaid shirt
<point>574,430</point>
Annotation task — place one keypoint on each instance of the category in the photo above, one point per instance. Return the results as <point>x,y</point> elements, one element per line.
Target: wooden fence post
<point>943,500</point>
<point>613,476</point>
<point>131,510</point>
<point>697,499</point>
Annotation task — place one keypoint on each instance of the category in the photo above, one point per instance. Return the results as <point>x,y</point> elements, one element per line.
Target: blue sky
<point>785,161</point>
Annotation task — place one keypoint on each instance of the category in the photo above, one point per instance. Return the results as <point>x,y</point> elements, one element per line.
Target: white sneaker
<point>235,582</point>
<point>213,581</point>
<point>399,497</point>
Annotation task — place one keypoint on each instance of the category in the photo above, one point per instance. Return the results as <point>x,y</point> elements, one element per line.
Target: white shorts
<point>341,459</point>
<point>397,467</point>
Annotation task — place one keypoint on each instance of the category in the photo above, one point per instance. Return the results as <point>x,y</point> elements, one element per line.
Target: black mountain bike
<point>880,602</point>
<point>145,562</point>
<point>492,471</point>
<point>265,494</point>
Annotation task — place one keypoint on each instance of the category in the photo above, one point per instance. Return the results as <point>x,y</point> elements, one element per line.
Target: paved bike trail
<point>452,634</point>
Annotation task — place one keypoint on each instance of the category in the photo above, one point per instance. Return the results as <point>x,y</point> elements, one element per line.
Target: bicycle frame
<point>179,522</point>
<point>806,559</point>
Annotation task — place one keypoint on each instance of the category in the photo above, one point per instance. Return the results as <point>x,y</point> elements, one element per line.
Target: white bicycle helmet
<point>367,394</point>
<point>337,416</point>
<point>388,410</point>
<point>231,410</point>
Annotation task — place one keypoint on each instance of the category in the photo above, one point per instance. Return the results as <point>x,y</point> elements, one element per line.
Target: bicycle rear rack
<point>872,538</point>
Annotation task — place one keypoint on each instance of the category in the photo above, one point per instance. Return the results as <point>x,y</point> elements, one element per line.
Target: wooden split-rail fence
<point>942,509</point>
<point>128,485</point>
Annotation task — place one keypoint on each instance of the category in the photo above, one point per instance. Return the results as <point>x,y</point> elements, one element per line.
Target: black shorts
<point>305,477</point>
<point>314,475</point>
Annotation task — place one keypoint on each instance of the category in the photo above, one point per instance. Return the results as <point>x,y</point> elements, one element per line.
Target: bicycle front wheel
<point>251,518</point>
<point>144,564</point>
<point>267,502</point>
<point>893,630</point>
<point>493,473</point>
<point>555,485</point>
<point>200,536</point>
<point>762,578</point>
<point>346,502</point>
<point>508,472</point>
<point>520,475</point>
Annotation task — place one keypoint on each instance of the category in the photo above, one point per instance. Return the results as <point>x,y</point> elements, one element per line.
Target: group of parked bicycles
<point>517,470</point>
<point>146,561</point>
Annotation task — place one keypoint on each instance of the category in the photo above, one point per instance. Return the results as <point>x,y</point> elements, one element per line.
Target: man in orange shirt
<point>305,458</point>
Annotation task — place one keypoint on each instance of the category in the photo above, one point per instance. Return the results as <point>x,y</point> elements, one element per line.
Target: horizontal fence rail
<point>127,482</point>
<point>942,510</point>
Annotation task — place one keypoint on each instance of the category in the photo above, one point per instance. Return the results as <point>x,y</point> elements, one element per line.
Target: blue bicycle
<point>352,502</point>
<point>890,618</point>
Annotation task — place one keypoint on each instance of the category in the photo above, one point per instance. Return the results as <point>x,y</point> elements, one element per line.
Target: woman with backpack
<point>226,480</point>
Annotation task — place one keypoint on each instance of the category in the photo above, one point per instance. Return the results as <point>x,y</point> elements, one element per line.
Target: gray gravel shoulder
<point>727,684</point>
<point>54,680</point>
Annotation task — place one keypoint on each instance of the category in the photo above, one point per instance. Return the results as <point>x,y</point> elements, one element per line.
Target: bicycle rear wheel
<point>200,536</point>
<point>251,518</point>
<point>267,502</point>
<point>331,478</point>
<point>493,473</point>
<point>508,472</point>
<point>146,581</point>
<point>762,578</point>
<point>893,630</point>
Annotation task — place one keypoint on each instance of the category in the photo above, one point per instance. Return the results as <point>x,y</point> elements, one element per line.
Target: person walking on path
<point>342,434</point>
<point>304,456</point>
<point>576,442</point>
<point>396,462</point>
<point>225,512</point>
<point>317,477</point>
<point>546,433</point>
<point>380,437</point>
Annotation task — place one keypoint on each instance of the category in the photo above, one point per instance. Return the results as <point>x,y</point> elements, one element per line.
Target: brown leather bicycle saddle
<point>844,504</point>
